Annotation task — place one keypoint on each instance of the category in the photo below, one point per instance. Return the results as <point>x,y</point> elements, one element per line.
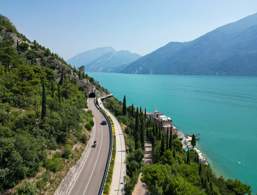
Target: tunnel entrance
<point>91,95</point>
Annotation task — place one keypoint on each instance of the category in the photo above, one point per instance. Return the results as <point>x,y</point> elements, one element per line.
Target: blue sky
<point>71,27</point>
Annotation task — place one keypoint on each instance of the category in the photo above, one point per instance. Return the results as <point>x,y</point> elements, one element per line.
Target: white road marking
<point>98,154</point>
<point>88,151</point>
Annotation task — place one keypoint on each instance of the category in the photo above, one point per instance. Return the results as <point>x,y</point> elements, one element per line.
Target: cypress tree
<point>200,169</point>
<point>162,145</point>
<point>171,140</point>
<point>193,142</point>
<point>142,134</point>
<point>188,156</point>
<point>132,110</point>
<point>159,132</point>
<point>124,106</point>
<point>43,97</point>
<point>136,130</point>
<point>167,139</point>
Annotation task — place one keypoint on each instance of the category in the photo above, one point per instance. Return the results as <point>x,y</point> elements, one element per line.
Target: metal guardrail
<point>107,165</point>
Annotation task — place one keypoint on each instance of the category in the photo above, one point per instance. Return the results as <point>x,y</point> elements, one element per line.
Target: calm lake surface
<point>222,109</point>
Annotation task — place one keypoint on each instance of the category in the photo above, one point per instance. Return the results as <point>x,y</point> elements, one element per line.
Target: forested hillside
<point>41,113</point>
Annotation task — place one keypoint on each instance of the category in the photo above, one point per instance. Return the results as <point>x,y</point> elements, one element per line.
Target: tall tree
<point>188,156</point>
<point>200,169</point>
<point>43,100</point>
<point>167,139</point>
<point>162,149</point>
<point>124,106</point>
<point>193,142</point>
<point>142,133</point>
<point>136,130</point>
<point>171,140</point>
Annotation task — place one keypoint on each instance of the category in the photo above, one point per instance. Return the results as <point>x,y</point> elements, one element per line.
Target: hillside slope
<point>41,113</point>
<point>228,50</point>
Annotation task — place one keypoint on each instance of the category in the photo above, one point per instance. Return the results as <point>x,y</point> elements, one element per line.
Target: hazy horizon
<point>85,25</point>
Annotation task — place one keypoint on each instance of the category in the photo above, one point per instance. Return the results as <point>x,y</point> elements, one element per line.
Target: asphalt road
<point>119,170</point>
<point>88,179</point>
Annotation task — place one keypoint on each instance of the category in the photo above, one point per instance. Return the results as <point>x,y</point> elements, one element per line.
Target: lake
<point>223,110</point>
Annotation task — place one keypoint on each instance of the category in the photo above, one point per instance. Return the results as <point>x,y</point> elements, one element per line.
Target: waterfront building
<point>164,122</point>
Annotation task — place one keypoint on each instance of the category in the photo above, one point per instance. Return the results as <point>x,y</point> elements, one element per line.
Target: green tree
<point>193,142</point>
<point>124,106</point>
<point>43,100</point>
<point>162,149</point>
<point>188,156</point>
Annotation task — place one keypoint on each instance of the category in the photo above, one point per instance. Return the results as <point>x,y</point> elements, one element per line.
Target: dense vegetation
<point>174,170</point>
<point>41,111</point>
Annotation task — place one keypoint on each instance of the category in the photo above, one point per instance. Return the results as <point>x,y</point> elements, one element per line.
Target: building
<point>163,121</point>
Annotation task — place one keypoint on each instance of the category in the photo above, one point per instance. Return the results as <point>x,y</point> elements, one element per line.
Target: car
<point>94,144</point>
<point>103,123</point>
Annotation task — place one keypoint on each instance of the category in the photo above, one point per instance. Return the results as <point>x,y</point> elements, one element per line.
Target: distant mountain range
<point>228,50</point>
<point>104,59</point>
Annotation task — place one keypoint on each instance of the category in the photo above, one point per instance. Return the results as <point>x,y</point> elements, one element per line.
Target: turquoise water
<point>222,109</point>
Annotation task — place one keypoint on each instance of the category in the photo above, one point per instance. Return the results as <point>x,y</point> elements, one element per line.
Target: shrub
<point>27,188</point>
<point>54,164</point>
<point>67,151</point>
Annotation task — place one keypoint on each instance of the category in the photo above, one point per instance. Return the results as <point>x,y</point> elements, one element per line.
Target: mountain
<point>228,50</point>
<point>90,56</point>
<point>104,59</point>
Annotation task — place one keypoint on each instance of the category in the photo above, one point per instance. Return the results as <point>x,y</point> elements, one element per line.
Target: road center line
<point>88,151</point>
<point>93,170</point>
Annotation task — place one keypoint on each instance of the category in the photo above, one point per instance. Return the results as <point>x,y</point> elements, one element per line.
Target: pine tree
<point>43,97</point>
<point>124,107</point>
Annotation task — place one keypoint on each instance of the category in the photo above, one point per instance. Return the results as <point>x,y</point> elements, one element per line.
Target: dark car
<point>103,123</point>
<point>94,144</point>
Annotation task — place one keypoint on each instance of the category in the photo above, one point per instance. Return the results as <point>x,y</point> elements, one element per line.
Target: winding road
<point>86,176</point>
<point>119,170</point>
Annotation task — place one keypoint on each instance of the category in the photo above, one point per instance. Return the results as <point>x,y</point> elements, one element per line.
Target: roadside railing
<point>111,130</point>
